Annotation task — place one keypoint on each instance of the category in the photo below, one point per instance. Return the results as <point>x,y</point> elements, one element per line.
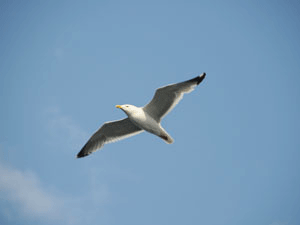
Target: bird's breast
<point>145,122</point>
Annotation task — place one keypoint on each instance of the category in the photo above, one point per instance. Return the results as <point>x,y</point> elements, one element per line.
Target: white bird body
<point>141,119</point>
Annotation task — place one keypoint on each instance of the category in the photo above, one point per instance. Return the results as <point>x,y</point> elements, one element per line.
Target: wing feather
<point>109,132</point>
<point>167,97</point>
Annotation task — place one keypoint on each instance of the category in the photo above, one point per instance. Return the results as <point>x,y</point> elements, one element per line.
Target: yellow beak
<point>118,106</point>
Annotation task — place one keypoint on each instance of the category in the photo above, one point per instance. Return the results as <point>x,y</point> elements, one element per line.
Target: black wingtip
<point>79,156</point>
<point>200,78</point>
<point>82,153</point>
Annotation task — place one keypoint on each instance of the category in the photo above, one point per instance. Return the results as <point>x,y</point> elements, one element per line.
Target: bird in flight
<point>141,119</point>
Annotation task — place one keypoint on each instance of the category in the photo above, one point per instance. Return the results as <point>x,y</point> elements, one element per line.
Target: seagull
<point>141,119</point>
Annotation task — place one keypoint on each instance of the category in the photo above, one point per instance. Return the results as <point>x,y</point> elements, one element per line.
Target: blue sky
<point>64,65</point>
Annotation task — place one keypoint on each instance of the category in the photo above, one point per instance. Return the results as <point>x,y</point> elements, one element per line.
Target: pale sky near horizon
<point>64,65</point>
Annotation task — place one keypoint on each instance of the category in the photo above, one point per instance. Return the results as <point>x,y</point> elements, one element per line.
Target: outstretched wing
<point>109,132</point>
<point>166,98</point>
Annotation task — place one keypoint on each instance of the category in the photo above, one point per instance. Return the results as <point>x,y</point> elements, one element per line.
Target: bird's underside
<point>142,118</point>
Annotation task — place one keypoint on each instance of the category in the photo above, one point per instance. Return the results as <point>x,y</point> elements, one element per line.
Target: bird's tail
<point>166,137</point>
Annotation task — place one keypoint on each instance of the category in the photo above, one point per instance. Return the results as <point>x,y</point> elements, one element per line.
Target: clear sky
<point>64,65</point>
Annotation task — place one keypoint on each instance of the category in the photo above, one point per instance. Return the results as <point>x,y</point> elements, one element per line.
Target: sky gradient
<point>64,65</point>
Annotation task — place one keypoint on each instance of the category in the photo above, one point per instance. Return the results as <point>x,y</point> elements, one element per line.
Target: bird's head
<point>128,109</point>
